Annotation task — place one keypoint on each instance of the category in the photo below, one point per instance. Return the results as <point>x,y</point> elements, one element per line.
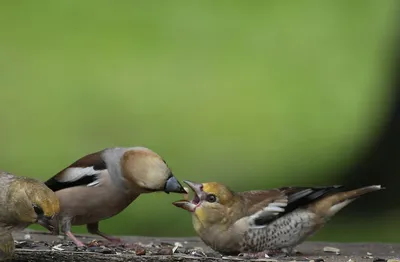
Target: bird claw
<point>114,240</point>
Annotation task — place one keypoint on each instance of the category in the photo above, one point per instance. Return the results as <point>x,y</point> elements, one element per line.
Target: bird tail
<point>330,205</point>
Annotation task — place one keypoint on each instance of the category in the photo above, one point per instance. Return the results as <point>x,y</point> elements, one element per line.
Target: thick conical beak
<point>199,195</point>
<point>46,223</point>
<point>185,204</point>
<point>173,185</point>
<point>196,187</point>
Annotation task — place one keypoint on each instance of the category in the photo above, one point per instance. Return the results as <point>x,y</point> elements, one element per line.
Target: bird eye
<point>38,210</point>
<point>211,198</point>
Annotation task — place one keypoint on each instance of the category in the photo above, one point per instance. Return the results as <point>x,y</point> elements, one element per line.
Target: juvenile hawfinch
<point>258,223</point>
<point>101,185</point>
<point>23,201</point>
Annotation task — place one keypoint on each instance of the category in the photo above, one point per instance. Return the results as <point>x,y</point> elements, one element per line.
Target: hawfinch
<point>23,201</point>
<point>101,185</point>
<point>259,223</point>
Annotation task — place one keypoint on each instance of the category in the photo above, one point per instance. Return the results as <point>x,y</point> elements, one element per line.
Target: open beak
<point>46,223</point>
<point>174,186</point>
<point>199,195</point>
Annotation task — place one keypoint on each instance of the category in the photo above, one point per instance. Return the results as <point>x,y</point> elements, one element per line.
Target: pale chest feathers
<point>285,232</point>
<point>217,232</point>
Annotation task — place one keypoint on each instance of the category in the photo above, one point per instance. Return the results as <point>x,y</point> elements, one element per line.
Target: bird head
<point>34,201</point>
<point>146,171</point>
<point>212,203</point>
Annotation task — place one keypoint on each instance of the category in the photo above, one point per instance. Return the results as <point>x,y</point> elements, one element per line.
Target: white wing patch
<point>271,210</point>
<point>75,173</point>
<point>94,183</point>
<point>336,208</point>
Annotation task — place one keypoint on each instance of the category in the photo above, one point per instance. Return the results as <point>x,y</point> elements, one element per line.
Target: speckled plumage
<point>286,232</point>
<point>265,220</point>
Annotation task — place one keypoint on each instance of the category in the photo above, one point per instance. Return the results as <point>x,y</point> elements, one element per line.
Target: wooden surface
<point>43,247</point>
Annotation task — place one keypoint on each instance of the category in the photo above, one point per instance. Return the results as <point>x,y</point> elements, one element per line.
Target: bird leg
<point>77,242</point>
<point>66,229</point>
<point>93,228</point>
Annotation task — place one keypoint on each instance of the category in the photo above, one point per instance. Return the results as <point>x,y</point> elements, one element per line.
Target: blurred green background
<point>251,94</point>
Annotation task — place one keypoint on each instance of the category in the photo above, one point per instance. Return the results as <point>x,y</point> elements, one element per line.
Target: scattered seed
<point>393,260</point>
<point>27,236</point>
<point>176,246</point>
<point>196,252</point>
<point>149,245</point>
<point>57,247</point>
<point>140,252</point>
<point>332,250</point>
<point>179,244</point>
<point>94,243</point>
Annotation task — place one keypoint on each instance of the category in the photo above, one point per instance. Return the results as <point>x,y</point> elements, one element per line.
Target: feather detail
<point>83,172</point>
<point>75,173</point>
<point>267,213</point>
<point>266,206</point>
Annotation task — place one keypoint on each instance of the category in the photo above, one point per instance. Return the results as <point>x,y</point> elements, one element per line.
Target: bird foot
<point>114,240</point>
<point>77,242</point>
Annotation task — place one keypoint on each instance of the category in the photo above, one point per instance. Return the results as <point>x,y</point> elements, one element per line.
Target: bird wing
<point>265,206</point>
<point>83,172</point>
